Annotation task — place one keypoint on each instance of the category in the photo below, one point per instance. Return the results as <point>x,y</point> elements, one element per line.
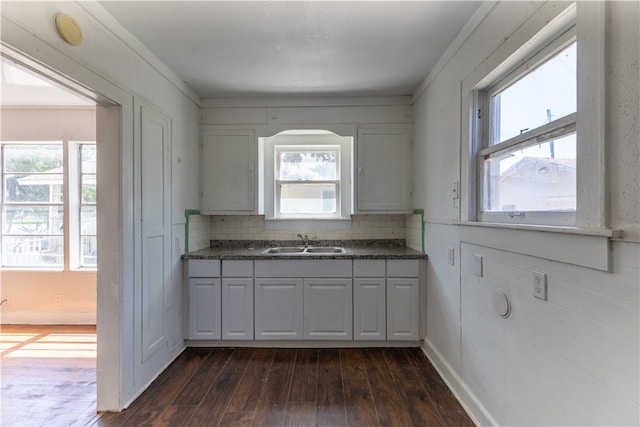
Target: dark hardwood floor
<point>295,387</point>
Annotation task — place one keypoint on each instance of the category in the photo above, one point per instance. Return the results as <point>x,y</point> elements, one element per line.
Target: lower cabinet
<point>403,304</point>
<point>331,300</point>
<point>369,309</point>
<point>237,308</point>
<point>278,309</point>
<point>328,309</point>
<point>204,309</point>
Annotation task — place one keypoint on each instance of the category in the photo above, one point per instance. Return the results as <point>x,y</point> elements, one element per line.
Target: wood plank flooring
<point>47,375</point>
<point>295,387</point>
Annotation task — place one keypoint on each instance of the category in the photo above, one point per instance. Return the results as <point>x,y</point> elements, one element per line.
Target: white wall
<point>572,360</point>
<point>115,65</point>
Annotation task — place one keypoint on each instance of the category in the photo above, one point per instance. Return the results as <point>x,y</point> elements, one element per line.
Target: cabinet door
<point>369,309</point>
<point>383,175</point>
<point>328,309</point>
<point>278,309</point>
<point>402,309</point>
<point>237,309</point>
<point>228,183</point>
<point>204,309</point>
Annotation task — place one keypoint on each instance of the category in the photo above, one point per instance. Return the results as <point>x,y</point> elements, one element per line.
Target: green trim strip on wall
<point>187,214</point>
<point>421,213</point>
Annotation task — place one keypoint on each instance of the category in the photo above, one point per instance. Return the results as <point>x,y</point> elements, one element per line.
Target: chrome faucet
<point>305,239</point>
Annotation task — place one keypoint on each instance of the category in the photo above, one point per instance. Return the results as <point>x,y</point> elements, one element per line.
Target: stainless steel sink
<point>299,250</point>
<point>325,250</point>
<point>284,250</point>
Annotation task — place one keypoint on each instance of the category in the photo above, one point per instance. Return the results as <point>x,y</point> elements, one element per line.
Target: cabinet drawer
<point>237,268</point>
<point>369,268</point>
<point>203,268</point>
<point>402,268</point>
<point>304,268</point>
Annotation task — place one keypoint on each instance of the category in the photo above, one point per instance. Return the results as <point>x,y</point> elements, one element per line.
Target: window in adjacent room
<point>48,205</point>
<point>307,175</point>
<point>528,147</point>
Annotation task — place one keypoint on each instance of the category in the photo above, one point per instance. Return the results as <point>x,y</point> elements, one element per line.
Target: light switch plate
<point>476,265</point>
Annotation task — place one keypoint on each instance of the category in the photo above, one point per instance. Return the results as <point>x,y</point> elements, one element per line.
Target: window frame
<point>589,19</point>
<point>311,140</point>
<point>279,148</point>
<point>485,121</point>
<point>71,204</point>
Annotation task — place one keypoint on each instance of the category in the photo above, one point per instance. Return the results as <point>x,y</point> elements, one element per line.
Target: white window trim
<point>541,28</point>
<point>321,140</point>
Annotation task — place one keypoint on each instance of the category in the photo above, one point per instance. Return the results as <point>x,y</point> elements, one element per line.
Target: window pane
<point>308,166</point>
<point>543,95</point>
<point>88,154</point>
<point>36,220</point>
<point>308,198</point>
<point>33,158</point>
<point>34,188</point>
<point>89,251</point>
<point>89,189</point>
<point>32,251</point>
<point>88,220</point>
<point>538,178</point>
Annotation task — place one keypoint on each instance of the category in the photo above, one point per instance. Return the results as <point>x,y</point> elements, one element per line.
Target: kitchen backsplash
<point>203,228</point>
<point>413,229</point>
<point>199,227</point>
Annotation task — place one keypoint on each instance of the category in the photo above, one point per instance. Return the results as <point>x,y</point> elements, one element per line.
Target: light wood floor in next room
<point>295,387</point>
<point>48,375</point>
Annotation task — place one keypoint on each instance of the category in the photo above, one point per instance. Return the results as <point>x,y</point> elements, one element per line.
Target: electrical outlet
<point>540,285</point>
<point>58,299</point>
<point>452,258</point>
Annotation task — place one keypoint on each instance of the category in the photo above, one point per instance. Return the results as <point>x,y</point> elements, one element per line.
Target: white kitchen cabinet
<point>383,170</point>
<point>203,290</point>
<point>402,309</point>
<point>237,308</point>
<point>237,300</point>
<point>328,309</point>
<point>369,300</point>
<point>228,172</point>
<point>369,308</point>
<point>278,309</point>
<point>403,292</point>
<point>204,308</point>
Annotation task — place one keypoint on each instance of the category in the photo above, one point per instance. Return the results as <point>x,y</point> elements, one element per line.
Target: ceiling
<point>276,48</point>
<point>19,87</point>
<point>289,48</point>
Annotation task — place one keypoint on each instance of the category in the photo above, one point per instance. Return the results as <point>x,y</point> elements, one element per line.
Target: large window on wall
<point>527,142</point>
<point>48,205</point>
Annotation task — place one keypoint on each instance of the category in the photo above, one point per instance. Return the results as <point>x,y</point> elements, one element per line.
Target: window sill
<point>602,232</point>
<point>571,245</point>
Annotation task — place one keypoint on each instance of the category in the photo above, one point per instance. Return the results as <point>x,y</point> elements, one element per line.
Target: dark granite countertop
<point>356,249</point>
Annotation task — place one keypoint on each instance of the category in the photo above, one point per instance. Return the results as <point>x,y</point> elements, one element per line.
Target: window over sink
<point>307,175</point>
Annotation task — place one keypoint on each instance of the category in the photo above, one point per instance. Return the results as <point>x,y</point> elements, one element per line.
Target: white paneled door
<point>152,298</point>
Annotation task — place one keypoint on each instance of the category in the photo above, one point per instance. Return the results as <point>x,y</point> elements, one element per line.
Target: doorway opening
<point>50,240</point>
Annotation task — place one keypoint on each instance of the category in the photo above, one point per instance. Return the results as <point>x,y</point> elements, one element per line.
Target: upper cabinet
<point>229,172</point>
<point>383,170</point>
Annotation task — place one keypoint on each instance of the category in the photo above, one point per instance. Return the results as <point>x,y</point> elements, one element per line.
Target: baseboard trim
<point>469,401</point>
<point>47,318</point>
